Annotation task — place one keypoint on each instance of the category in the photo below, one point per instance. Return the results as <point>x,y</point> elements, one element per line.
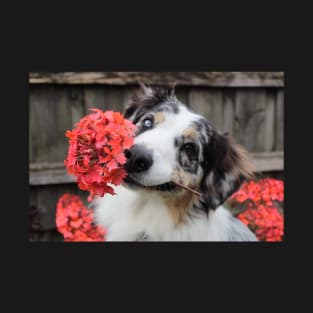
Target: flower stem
<point>187,188</point>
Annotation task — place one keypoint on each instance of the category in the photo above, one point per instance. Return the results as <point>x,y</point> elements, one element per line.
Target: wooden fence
<point>249,105</point>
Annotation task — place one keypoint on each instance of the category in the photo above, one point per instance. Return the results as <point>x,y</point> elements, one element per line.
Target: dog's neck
<point>142,215</point>
<point>181,206</point>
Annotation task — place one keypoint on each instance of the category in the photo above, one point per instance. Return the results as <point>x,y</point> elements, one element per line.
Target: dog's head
<point>173,143</point>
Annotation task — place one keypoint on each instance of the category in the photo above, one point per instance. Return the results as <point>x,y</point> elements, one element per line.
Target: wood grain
<point>249,118</point>
<point>53,110</point>
<point>114,98</point>
<point>93,97</point>
<point>229,97</point>
<point>269,120</point>
<point>182,95</point>
<point>106,97</point>
<point>268,161</point>
<point>209,103</point>
<point>279,121</point>
<point>214,79</point>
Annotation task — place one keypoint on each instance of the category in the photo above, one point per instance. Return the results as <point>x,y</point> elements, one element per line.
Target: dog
<point>174,144</point>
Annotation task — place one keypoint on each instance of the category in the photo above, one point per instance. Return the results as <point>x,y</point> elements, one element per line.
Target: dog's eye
<point>189,148</point>
<point>147,122</point>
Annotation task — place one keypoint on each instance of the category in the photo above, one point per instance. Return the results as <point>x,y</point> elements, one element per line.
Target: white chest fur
<point>128,213</point>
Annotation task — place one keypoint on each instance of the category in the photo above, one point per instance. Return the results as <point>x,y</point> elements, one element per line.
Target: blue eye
<point>147,123</point>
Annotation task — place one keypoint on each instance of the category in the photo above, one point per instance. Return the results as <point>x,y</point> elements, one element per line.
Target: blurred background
<point>248,105</point>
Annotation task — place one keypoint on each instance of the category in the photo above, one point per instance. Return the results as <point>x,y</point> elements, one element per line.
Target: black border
<point>237,47</point>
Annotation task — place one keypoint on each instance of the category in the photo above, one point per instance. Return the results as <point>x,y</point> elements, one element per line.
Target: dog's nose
<point>139,159</point>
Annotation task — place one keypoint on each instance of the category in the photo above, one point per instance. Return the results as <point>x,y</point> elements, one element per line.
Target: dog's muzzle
<point>139,159</point>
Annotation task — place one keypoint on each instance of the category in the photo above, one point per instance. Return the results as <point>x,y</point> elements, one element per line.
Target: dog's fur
<point>184,147</point>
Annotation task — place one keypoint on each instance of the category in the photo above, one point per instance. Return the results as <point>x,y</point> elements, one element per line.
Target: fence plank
<point>182,94</point>
<point>249,118</point>
<point>279,121</point>
<point>114,98</point>
<point>50,177</point>
<point>77,106</point>
<point>269,122</point>
<point>127,93</point>
<point>268,161</point>
<point>31,144</point>
<point>215,79</point>
<point>229,110</point>
<point>104,98</point>
<point>94,98</point>
<point>208,103</point>
<point>52,109</point>
<point>107,97</point>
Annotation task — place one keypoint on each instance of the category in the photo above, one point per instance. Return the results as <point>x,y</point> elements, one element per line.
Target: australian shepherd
<point>175,146</point>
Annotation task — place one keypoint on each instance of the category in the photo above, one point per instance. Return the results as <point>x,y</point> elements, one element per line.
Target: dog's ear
<point>146,98</point>
<point>144,91</point>
<point>137,99</point>
<point>227,165</point>
<point>130,110</point>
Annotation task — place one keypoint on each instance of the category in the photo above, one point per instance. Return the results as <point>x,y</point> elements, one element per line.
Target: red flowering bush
<point>261,211</point>
<point>96,151</point>
<point>75,222</point>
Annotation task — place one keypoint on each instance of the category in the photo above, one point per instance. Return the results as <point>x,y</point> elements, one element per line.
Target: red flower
<point>75,222</point>
<point>262,216</point>
<point>263,191</point>
<point>96,151</point>
<point>265,221</point>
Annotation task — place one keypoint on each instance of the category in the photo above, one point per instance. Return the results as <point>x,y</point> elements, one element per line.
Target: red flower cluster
<point>266,222</point>
<point>96,151</point>
<point>263,191</point>
<point>262,215</point>
<point>74,220</point>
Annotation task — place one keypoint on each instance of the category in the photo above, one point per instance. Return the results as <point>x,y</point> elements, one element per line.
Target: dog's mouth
<point>168,186</point>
